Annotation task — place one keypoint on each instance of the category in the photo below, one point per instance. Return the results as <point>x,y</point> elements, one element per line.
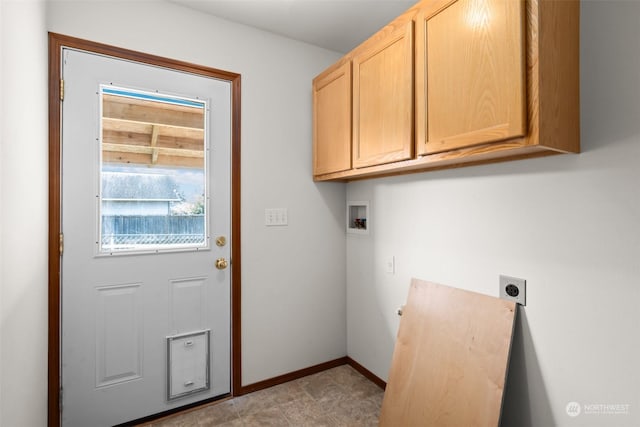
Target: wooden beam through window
<point>152,133</point>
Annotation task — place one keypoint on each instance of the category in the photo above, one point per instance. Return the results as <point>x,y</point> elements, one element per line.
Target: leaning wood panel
<point>450,359</point>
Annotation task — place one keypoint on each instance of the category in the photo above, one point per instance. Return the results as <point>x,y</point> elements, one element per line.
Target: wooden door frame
<point>56,43</point>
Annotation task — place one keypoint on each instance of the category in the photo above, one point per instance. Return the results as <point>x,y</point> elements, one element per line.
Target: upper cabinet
<point>470,56</point>
<point>332,120</point>
<point>383,98</point>
<point>457,82</point>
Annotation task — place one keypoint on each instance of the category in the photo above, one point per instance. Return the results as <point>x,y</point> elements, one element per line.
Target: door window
<point>153,169</point>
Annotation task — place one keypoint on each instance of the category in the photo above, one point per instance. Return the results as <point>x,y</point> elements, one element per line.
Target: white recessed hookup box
<point>358,218</point>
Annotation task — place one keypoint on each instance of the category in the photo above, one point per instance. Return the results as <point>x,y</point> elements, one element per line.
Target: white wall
<point>293,278</point>
<point>2,49</point>
<point>568,224</point>
<point>23,215</point>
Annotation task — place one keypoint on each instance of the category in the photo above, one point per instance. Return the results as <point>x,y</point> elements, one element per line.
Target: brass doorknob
<point>221,263</point>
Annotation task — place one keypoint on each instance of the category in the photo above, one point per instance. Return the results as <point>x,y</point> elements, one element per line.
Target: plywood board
<point>450,359</point>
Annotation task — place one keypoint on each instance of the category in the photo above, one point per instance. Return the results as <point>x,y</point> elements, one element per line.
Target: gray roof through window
<point>139,187</point>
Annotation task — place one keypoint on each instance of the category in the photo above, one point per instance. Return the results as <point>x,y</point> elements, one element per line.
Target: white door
<point>145,216</point>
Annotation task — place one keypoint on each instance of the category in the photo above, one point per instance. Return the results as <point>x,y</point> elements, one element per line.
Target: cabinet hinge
<point>61,89</point>
<point>61,242</point>
<point>60,400</point>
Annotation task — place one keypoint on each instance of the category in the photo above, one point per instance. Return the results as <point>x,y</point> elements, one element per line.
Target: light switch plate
<point>276,217</point>
<point>390,265</point>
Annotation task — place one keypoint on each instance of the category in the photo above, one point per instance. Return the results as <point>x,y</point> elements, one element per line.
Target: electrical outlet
<point>513,289</point>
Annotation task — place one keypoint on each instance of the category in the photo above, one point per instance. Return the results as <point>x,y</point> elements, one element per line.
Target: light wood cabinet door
<point>383,98</point>
<point>332,121</point>
<point>470,73</point>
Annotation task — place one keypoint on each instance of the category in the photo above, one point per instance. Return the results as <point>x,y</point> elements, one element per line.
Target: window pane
<point>153,192</point>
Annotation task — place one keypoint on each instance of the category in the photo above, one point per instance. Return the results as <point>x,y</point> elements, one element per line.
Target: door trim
<point>56,43</point>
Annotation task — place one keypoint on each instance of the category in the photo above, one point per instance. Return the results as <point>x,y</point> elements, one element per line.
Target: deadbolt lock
<point>221,263</point>
<point>221,241</point>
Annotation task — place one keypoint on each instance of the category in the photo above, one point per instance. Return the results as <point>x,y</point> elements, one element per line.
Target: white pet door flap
<point>187,364</point>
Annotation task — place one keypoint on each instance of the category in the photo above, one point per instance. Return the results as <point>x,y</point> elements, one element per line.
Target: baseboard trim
<point>346,360</point>
<point>291,376</point>
<point>367,373</point>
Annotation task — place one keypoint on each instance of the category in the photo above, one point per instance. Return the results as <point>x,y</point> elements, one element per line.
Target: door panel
<point>118,334</point>
<point>383,100</point>
<point>470,79</point>
<point>332,121</point>
<point>186,304</point>
<point>121,301</point>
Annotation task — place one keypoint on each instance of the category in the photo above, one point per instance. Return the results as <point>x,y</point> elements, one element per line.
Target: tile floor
<point>334,398</point>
